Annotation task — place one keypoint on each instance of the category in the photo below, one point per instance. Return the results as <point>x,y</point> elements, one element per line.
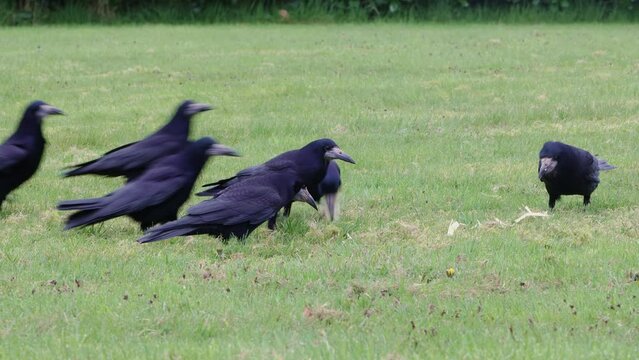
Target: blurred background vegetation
<point>24,12</point>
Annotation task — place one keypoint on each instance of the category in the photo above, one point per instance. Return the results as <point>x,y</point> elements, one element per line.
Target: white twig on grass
<point>492,223</point>
<point>530,213</point>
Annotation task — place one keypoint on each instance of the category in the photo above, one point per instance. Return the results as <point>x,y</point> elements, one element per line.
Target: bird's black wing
<point>130,157</point>
<point>152,188</point>
<point>103,155</point>
<point>242,204</point>
<point>275,164</point>
<point>253,203</point>
<point>11,155</point>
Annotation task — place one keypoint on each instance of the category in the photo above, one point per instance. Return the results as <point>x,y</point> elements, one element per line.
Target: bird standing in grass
<point>155,196</point>
<point>568,170</point>
<point>21,153</point>
<point>310,163</point>
<point>240,208</point>
<point>132,159</point>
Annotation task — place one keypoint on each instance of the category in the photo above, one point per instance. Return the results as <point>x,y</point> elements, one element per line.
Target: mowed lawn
<point>445,123</point>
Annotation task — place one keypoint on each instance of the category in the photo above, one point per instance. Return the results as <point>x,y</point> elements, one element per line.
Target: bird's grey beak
<point>337,153</point>
<point>198,108</point>
<point>221,150</point>
<point>304,196</point>
<point>49,110</point>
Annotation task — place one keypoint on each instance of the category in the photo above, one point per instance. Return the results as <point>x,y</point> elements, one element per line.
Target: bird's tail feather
<point>82,204</point>
<point>78,169</point>
<point>207,192</point>
<point>603,165</point>
<point>81,219</point>
<point>166,231</point>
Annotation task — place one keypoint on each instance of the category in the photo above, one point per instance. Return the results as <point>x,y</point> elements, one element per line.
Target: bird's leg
<point>272,222</point>
<point>552,200</point>
<point>287,209</point>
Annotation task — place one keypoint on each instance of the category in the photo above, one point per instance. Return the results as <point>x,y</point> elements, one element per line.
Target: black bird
<point>328,188</point>
<point>21,153</point>
<point>239,209</point>
<point>568,170</point>
<point>155,196</point>
<point>132,159</point>
<point>310,164</point>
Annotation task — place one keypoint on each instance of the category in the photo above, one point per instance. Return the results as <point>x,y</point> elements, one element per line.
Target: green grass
<point>445,123</point>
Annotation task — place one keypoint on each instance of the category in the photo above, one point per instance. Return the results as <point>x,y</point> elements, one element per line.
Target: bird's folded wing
<point>10,155</point>
<point>154,188</point>
<point>239,204</point>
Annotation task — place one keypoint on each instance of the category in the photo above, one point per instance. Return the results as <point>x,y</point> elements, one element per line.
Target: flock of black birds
<point>161,170</point>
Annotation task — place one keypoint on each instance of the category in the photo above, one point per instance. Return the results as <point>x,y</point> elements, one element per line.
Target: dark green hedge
<point>83,11</point>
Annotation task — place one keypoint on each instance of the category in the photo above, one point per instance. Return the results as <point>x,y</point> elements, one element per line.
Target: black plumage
<point>568,170</point>
<point>328,188</point>
<point>240,208</point>
<point>155,196</point>
<point>21,153</point>
<point>132,159</point>
<point>309,163</point>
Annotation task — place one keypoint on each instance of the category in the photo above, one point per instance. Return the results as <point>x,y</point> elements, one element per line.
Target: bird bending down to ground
<point>328,188</point>
<point>132,159</point>
<point>155,196</point>
<point>309,163</point>
<point>21,153</point>
<point>568,170</point>
<point>240,208</point>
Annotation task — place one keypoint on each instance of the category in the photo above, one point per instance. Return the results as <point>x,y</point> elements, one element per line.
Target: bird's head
<point>549,156</point>
<point>189,108</point>
<point>39,110</point>
<point>547,167</point>
<point>330,150</point>
<point>211,147</point>
<point>304,196</point>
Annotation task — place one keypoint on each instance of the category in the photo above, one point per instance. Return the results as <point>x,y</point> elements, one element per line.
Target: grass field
<point>445,123</point>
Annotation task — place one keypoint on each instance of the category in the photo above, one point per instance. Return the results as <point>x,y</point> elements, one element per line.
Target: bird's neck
<point>176,126</point>
<point>30,126</point>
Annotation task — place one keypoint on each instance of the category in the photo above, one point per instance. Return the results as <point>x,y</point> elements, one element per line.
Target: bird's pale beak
<point>198,108</point>
<point>337,153</point>
<point>51,110</point>
<point>221,150</point>
<point>304,196</point>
